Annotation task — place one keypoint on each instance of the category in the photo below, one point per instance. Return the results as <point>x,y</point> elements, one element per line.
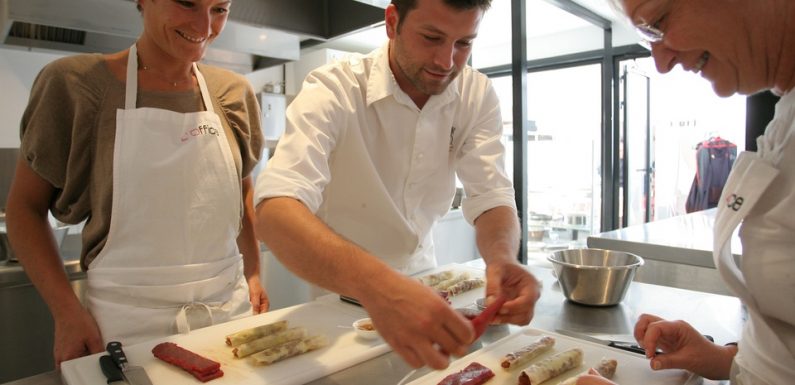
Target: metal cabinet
<point>26,326</point>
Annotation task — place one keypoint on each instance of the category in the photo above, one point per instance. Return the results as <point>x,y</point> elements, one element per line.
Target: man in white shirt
<point>368,164</point>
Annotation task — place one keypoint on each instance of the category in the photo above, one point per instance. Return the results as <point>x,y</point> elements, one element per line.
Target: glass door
<point>563,154</point>
<point>638,161</point>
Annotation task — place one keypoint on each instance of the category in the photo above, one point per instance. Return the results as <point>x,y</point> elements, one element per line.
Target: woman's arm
<point>249,247</point>
<point>76,332</point>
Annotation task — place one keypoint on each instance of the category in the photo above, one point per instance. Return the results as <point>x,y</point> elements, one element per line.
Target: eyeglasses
<point>649,34</point>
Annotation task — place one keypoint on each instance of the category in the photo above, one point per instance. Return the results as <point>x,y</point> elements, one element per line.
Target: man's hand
<point>510,280</point>
<point>419,325</point>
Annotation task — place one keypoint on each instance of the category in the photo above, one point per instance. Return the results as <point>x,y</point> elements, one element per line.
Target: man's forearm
<point>497,234</point>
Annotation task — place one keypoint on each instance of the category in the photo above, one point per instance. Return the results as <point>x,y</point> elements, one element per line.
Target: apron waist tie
<point>183,324</point>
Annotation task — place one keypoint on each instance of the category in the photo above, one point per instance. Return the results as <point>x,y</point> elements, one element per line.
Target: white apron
<point>171,260</point>
<point>762,357</point>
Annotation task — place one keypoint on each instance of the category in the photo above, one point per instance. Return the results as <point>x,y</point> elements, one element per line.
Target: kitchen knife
<point>350,300</point>
<point>628,346</point>
<point>135,375</point>
<point>111,371</point>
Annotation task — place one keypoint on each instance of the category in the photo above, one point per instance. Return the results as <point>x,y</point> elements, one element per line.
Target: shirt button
<point>420,156</point>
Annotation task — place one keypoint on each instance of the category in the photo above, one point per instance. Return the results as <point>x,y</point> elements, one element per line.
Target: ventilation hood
<point>258,34</point>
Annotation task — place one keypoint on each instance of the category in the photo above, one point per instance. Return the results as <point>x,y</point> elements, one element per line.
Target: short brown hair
<point>404,6</point>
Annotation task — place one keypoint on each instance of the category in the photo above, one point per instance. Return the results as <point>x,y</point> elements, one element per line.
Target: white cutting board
<point>322,316</point>
<point>326,315</point>
<point>633,369</point>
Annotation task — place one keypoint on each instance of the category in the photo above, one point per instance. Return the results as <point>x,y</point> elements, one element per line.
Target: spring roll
<point>270,341</point>
<point>434,279</point>
<point>551,367</point>
<point>523,356</point>
<point>289,349</point>
<point>243,336</point>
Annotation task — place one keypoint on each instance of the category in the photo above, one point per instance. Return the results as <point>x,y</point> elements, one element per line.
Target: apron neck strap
<point>131,85</point>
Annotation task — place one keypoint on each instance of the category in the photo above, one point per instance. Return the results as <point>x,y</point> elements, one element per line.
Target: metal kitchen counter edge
<point>718,315</point>
<point>12,274</point>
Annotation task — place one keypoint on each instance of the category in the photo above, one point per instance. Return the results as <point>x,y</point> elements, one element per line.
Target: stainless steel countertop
<point>717,315</point>
<point>685,239</point>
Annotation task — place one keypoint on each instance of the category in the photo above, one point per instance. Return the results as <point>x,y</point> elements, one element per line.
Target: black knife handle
<point>630,347</point>
<point>117,354</point>
<point>350,300</point>
<point>109,368</point>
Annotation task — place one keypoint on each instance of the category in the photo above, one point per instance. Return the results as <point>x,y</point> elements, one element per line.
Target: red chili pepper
<point>486,316</point>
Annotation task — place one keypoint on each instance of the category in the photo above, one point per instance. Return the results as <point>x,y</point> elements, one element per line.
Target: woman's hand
<point>257,295</point>
<point>76,335</point>
<point>684,348</point>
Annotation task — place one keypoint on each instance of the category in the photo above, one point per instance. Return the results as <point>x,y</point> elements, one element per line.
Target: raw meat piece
<point>473,374</point>
<point>185,359</point>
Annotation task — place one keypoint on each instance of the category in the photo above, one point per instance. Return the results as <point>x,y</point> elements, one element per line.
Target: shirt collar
<point>382,83</point>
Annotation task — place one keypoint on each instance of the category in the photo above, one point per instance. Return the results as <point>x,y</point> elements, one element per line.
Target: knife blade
<point>111,371</point>
<point>134,375</point>
<point>628,346</point>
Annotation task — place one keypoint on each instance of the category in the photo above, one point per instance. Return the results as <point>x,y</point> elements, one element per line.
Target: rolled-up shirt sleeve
<point>300,166</point>
<point>481,167</point>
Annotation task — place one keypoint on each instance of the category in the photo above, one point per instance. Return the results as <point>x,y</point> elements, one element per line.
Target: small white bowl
<point>365,329</point>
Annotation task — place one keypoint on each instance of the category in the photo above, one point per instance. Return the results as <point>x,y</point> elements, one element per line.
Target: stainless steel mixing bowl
<point>594,277</point>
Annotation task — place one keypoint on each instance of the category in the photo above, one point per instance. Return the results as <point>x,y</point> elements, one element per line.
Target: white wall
<point>18,69</point>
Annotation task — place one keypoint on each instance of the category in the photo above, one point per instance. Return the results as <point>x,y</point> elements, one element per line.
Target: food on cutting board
<point>551,367</point>
<point>434,279</point>
<point>289,349</point>
<point>523,356</point>
<point>464,286</point>
<point>270,341</point>
<point>200,367</point>
<point>273,342</point>
<point>251,334</point>
<point>449,283</point>
<point>473,374</point>
<point>606,368</point>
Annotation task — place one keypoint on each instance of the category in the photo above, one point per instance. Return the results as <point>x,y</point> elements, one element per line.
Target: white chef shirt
<point>767,347</point>
<point>380,171</point>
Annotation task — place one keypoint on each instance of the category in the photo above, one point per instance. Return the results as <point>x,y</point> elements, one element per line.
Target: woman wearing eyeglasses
<point>740,46</point>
